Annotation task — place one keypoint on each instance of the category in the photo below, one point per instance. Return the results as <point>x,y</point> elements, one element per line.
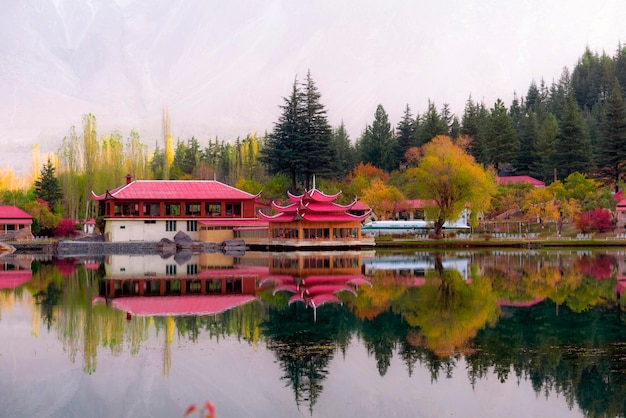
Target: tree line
<point>576,124</point>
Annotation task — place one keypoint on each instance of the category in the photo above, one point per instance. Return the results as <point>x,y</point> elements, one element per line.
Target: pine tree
<point>377,143</point>
<point>405,134</point>
<point>345,154</point>
<point>527,132</point>
<point>473,124</point>
<point>612,143</point>
<point>500,145</point>
<point>574,151</point>
<point>48,186</point>
<point>432,124</point>
<point>300,144</point>
<point>544,149</point>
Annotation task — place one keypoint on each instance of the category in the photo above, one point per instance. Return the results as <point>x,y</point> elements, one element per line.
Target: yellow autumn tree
<point>383,199</point>
<point>452,180</point>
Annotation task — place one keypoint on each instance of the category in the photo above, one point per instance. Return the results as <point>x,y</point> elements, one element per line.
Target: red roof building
<point>148,210</point>
<point>313,219</point>
<point>13,218</point>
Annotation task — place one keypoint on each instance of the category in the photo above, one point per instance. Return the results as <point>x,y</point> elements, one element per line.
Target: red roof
<point>314,195</point>
<point>175,189</point>
<point>419,203</point>
<point>234,222</point>
<point>14,214</point>
<point>180,305</point>
<point>521,179</point>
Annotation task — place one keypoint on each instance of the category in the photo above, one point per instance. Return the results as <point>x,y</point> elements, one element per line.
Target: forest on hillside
<point>576,124</point>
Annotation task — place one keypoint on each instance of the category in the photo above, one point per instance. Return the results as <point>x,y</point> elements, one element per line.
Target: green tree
<point>300,144</point>
<point>405,134</point>
<point>501,144</point>
<point>612,146</point>
<point>433,123</point>
<point>48,186</point>
<point>473,124</point>
<point>544,149</point>
<point>344,152</point>
<point>377,143</point>
<point>573,148</point>
<point>452,180</point>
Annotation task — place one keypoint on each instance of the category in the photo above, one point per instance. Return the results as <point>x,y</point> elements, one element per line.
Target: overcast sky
<point>223,67</point>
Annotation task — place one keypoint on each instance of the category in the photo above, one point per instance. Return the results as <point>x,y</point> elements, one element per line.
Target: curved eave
<point>348,217</point>
<point>281,217</point>
<point>289,208</point>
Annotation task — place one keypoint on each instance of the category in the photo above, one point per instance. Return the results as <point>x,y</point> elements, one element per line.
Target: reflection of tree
<point>448,311</point>
<point>380,336</point>
<point>304,348</point>
<point>375,300</point>
<point>580,356</point>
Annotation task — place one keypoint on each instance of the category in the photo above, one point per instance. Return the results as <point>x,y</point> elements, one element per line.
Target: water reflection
<point>555,319</point>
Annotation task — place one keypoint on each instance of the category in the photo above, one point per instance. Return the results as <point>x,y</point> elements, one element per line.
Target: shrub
<point>65,228</point>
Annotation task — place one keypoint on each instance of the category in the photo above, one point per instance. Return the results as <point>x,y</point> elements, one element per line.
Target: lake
<point>495,333</point>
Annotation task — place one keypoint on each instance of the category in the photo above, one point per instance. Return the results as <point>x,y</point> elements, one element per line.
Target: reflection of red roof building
<point>180,305</point>
<point>13,275</point>
<point>313,219</point>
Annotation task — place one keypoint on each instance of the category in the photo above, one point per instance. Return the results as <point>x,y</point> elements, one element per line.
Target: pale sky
<point>222,68</point>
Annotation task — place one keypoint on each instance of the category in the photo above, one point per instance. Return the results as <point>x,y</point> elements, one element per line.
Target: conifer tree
<point>544,149</point>
<point>300,144</point>
<point>405,134</point>
<point>500,145</point>
<point>48,186</point>
<point>612,144</point>
<point>574,151</point>
<point>377,143</point>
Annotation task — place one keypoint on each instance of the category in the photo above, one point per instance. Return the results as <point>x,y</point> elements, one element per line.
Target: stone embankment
<point>181,242</point>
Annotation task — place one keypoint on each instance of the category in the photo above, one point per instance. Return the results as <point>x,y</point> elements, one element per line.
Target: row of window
<point>174,209</point>
<point>314,233</point>
<point>173,287</point>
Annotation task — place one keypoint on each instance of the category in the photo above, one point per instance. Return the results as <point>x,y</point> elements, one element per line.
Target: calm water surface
<point>464,334</point>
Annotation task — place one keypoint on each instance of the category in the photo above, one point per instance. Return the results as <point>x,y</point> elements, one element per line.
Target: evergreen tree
<point>574,151</point>
<point>378,143</point>
<point>344,152</point>
<point>544,149</point>
<point>432,124</point>
<point>318,135</point>
<point>405,135</point>
<point>612,146</point>
<point>527,132</point>
<point>300,144</point>
<point>473,124</point>
<point>501,144</point>
<point>48,186</point>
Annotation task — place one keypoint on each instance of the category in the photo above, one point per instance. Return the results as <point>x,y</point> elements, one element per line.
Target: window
<point>192,209</point>
<point>172,209</point>
<point>170,270</point>
<point>213,209</point>
<point>152,209</point>
<point>170,226</point>
<point>192,269</point>
<point>192,226</point>
<point>233,209</point>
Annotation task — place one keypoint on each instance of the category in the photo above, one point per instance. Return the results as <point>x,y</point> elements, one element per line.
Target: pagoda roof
<point>313,206</point>
<point>174,190</point>
<point>313,217</point>
<point>314,195</point>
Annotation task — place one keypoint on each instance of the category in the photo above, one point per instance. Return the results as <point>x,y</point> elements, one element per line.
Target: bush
<point>65,228</point>
<point>597,219</point>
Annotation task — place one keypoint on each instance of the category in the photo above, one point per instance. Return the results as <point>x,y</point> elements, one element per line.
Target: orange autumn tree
<point>451,179</point>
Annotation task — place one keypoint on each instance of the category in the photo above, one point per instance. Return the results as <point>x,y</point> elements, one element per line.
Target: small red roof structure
<point>174,189</point>
<point>10,279</point>
<point>521,179</point>
<point>13,214</point>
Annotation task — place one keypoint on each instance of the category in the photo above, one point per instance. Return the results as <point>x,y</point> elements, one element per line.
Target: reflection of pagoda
<point>206,284</point>
<point>316,279</point>
<point>313,220</point>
